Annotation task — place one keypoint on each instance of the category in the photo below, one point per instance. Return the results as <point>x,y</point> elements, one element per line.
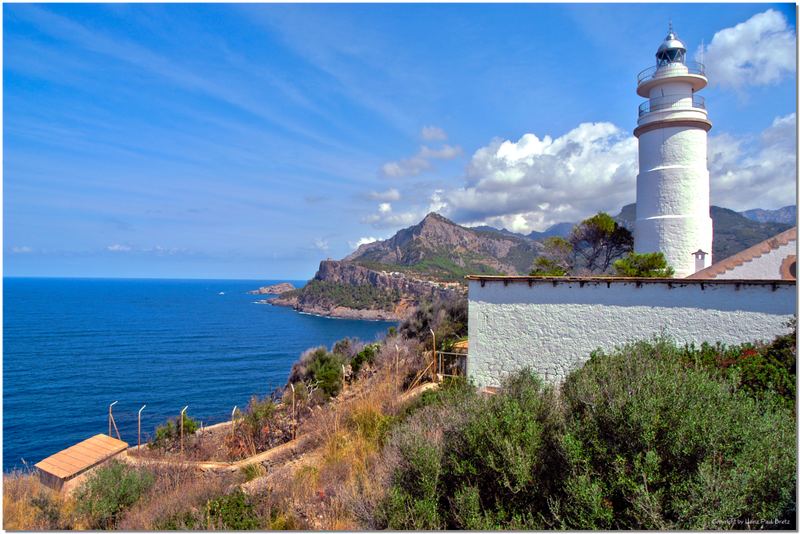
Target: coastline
<point>337,312</point>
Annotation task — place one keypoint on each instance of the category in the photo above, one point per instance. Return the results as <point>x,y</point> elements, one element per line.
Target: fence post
<point>182,412</point>
<point>112,422</point>
<point>139,432</point>
<point>434,362</point>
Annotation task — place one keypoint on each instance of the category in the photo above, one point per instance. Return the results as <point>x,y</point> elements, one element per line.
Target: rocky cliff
<point>345,289</point>
<point>275,289</point>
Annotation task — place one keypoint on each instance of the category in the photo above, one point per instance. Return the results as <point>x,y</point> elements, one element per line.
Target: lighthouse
<point>672,187</point>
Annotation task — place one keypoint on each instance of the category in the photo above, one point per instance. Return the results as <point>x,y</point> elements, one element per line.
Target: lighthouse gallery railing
<point>664,103</point>
<point>692,67</point>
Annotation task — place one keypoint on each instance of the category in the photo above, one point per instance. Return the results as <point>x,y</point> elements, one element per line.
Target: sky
<point>253,141</point>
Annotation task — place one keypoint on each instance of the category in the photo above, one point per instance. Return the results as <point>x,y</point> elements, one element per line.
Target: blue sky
<point>252,141</point>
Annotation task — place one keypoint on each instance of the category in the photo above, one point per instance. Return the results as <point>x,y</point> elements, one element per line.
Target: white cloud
<point>760,51</point>
<point>362,241</point>
<point>407,167</point>
<point>22,250</point>
<point>433,133</point>
<point>755,173</point>
<point>321,244</point>
<point>532,183</point>
<point>420,161</point>
<point>391,195</point>
<point>446,152</point>
<point>116,247</point>
<point>387,218</point>
<point>535,182</point>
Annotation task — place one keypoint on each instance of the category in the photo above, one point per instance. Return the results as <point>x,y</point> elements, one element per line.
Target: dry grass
<point>179,494</point>
<point>30,505</point>
<point>346,472</point>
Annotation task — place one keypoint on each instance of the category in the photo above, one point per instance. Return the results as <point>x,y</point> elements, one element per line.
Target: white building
<point>773,259</point>
<point>672,188</point>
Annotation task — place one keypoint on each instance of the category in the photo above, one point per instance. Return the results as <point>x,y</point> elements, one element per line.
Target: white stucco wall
<point>553,327</point>
<point>766,266</point>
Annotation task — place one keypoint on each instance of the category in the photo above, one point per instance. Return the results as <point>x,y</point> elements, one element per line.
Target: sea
<point>71,347</point>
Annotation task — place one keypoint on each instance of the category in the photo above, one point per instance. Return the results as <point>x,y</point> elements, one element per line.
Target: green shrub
<point>647,265</point>
<point>495,463</point>
<point>636,439</point>
<point>253,471</point>
<point>232,512</point>
<point>109,491</point>
<point>185,520</point>
<point>169,434</point>
<point>320,366</point>
<point>673,447</point>
<point>448,318</point>
<point>327,370</point>
<point>451,391</point>
<point>758,369</point>
<point>365,356</point>
<point>414,497</point>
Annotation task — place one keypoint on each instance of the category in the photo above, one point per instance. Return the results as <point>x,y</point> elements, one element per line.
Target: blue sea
<point>73,346</point>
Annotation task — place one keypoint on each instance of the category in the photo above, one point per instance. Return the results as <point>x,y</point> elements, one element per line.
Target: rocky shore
<point>390,296</point>
<point>342,312</point>
<point>275,289</point>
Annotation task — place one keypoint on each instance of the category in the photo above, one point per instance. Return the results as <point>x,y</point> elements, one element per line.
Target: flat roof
<point>530,280</point>
<point>74,460</point>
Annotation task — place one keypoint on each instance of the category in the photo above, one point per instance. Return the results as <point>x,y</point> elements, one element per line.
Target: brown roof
<point>608,280</point>
<point>75,460</point>
<point>747,255</point>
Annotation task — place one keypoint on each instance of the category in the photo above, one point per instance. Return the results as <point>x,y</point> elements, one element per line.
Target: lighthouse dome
<point>672,50</point>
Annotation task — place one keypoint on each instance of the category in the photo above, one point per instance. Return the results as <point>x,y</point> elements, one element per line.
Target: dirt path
<point>293,450</point>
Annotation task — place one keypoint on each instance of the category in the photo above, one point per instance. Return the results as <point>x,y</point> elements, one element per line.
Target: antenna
<point>702,53</point>
<point>670,25</point>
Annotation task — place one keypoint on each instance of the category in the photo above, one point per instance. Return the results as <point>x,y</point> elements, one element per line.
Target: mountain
<point>492,229</point>
<point>428,261</point>
<point>733,232</point>
<point>440,249</point>
<point>561,229</point>
<point>784,215</point>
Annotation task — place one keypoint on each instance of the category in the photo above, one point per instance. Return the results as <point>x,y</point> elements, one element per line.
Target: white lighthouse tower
<point>672,188</point>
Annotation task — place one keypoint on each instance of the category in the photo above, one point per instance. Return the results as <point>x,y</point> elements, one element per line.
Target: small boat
<point>221,292</point>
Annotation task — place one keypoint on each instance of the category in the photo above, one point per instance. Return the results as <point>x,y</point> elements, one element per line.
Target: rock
<point>275,289</point>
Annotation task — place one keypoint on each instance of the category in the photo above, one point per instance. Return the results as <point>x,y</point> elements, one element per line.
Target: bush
<point>258,429</point>
<point>636,439</point>
<point>758,369</point>
<point>448,318</point>
<point>253,471</point>
<point>232,512</point>
<point>671,447</point>
<point>647,265</point>
<point>319,366</point>
<point>111,490</point>
<point>177,499</point>
<point>168,435</point>
<point>472,462</point>
<point>365,356</point>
